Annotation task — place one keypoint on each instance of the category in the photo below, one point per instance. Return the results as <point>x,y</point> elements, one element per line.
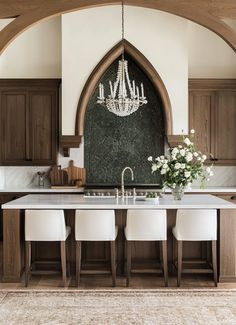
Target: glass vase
<point>178,192</point>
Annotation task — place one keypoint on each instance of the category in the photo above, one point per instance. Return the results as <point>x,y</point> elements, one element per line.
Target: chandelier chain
<point>125,96</point>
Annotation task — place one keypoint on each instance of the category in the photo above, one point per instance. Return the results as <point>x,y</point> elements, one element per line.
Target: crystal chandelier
<point>125,97</point>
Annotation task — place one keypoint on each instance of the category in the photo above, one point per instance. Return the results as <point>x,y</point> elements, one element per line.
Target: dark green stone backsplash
<point>112,142</point>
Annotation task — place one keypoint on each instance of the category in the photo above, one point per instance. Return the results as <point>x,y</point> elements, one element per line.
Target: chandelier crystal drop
<point>125,97</point>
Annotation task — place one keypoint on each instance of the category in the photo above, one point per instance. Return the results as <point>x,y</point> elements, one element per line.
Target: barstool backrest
<point>146,225</point>
<point>95,225</point>
<point>197,224</point>
<point>45,225</point>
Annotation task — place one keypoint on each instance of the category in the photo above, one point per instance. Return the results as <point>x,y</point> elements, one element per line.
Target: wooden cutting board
<point>76,175</point>
<point>58,176</point>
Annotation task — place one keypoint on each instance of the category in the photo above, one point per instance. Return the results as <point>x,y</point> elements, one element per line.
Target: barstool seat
<point>45,225</point>
<point>196,225</point>
<point>95,225</point>
<point>146,225</point>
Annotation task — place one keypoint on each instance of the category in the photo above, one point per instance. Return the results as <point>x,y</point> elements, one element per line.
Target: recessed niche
<point>112,142</point>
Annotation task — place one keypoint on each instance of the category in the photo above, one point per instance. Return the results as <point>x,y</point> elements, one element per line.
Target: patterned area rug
<point>118,307</point>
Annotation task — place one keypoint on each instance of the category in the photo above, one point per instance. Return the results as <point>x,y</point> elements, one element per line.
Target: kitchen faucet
<point>122,180</point>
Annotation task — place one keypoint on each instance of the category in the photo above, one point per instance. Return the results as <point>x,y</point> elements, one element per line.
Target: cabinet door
<point>43,121</point>
<point>225,127</point>
<point>200,106</point>
<point>14,121</point>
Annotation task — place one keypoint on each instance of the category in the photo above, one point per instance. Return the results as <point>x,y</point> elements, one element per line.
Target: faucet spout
<point>122,179</point>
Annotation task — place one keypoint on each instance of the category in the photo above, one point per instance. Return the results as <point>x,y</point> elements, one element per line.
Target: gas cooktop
<point>111,192</point>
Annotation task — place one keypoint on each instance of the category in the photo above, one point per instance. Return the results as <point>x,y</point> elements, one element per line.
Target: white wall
<point>34,54</point>
<point>209,56</point>
<point>89,34</point>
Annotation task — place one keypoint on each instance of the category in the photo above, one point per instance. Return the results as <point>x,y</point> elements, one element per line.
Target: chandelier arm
<point>127,78</point>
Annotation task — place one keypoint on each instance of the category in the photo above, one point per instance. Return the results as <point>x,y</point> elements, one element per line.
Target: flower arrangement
<point>182,165</point>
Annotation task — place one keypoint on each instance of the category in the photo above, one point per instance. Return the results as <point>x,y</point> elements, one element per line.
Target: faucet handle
<point>116,192</point>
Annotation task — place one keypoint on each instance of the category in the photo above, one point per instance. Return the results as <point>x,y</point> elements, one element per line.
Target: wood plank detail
<point>12,259</point>
<point>209,14</point>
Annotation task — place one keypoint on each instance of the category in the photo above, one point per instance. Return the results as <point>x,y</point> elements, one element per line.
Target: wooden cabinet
<point>212,113</point>
<point>29,121</point>
<point>4,198</point>
<point>200,106</point>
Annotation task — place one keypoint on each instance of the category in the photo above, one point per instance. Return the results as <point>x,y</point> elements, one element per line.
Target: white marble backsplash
<point>223,176</point>
<point>2,177</point>
<point>21,177</point>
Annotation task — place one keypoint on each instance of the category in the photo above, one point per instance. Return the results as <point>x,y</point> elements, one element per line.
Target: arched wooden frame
<point>207,13</point>
<point>102,67</point>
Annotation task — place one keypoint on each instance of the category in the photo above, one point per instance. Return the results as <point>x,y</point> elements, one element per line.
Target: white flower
<point>182,166</point>
<point>154,167</point>
<point>179,146</point>
<point>173,185</point>
<point>182,152</point>
<point>187,174</point>
<point>162,157</point>
<point>173,157</point>
<point>150,158</point>
<point>195,154</point>
<point>204,157</point>
<point>165,166</point>
<point>187,141</point>
<point>211,173</point>
<point>163,171</point>
<point>192,131</point>
<point>199,158</point>
<point>175,151</point>
<point>208,170</point>
<point>189,157</point>
<point>177,166</point>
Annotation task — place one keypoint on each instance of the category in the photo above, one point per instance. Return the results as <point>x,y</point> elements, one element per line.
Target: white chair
<point>146,225</point>
<point>45,225</point>
<point>95,225</point>
<point>196,225</point>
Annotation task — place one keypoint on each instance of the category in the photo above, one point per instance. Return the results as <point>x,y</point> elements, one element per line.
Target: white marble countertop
<point>213,189</point>
<point>219,189</point>
<point>41,190</point>
<point>68,201</point>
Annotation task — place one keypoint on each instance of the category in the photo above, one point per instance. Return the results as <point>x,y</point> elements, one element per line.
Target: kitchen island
<point>98,253</point>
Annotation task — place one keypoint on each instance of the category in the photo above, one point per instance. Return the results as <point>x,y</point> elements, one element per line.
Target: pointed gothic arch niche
<point>102,67</point>
<point>112,142</point>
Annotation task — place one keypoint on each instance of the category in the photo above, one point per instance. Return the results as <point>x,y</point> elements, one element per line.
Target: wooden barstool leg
<point>128,263</point>
<point>165,263</point>
<point>27,261</point>
<point>78,261</point>
<point>113,262</point>
<point>68,254</point>
<point>63,261</point>
<point>214,260</point>
<point>180,252</point>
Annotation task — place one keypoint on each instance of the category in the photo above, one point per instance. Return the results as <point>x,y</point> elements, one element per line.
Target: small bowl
<point>152,199</point>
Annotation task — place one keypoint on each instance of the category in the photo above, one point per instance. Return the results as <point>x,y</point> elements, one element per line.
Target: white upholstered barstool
<point>95,225</point>
<point>146,225</point>
<point>196,225</point>
<point>45,225</point>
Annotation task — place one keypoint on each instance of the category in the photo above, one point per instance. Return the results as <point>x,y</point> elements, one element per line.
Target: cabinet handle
<point>233,197</point>
<point>28,159</point>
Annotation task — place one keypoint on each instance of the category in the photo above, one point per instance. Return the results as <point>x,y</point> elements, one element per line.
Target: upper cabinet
<point>212,114</point>
<point>29,121</point>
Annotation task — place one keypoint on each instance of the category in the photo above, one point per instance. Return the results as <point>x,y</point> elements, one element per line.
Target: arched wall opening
<point>112,142</point>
